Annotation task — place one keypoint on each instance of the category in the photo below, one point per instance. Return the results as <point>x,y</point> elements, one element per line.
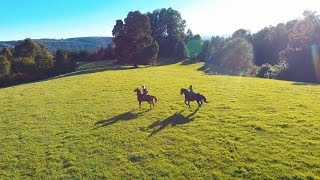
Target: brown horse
<point>192,97</point>
<point>147,98</point>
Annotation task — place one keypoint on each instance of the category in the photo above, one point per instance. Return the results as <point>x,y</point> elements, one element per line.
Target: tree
<point>168,29</point>
<point>64,62</point>
<point>306,31</point>
<point>167,23</point>
<point>210,48</point>
<point>24,65</point>
<point>103,53</point>
<point>242,33</point>
<point>83,55</point>
<point>32,58</point>
<point>133,41</point>
<point>268,43</point>
<point>7,52</point>
<point>262,46</point>
<point>235,58</point>
<point>44,61</point>
<point>302,52</point>
<point>4,66</point>
<point>26,48</point>
<point>278,39</point>
<point>180,50</point>
<point>189,35</point>
<point>110,52</point>
<point>291,49</point>
<point>194,46</point>
<point>204,54</point>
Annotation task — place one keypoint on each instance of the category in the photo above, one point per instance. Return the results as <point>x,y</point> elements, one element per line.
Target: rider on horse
<point>191,91</point>
<point>144,90</point>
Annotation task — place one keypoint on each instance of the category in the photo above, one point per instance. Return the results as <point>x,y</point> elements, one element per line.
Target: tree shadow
<point>75,73</point>
<point>176,119</point>
<point>202,68</point>
<point>189,61</point>
<point>304,84</point>
<point>166,61</point>
<point>127,116</point>
<point>89,71</point>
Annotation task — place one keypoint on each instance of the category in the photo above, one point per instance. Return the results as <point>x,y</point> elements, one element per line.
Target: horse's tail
<point>155,99</point>
<point>204,99</point>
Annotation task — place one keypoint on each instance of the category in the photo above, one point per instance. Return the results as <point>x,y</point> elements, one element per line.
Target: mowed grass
<point>89,126</point>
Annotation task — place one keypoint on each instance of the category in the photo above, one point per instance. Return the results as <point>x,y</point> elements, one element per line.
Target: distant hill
<point>73,44</point>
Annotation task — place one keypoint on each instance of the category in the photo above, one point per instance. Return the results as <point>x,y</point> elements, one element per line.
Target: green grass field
<point>89,126</point>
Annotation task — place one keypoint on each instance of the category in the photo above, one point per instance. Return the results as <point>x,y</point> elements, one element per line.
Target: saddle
<point>193,95</point>
<point>144,96</point>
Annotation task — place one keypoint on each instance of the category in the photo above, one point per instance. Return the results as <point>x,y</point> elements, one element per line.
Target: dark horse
<point>195,97</point>
<point>150,99</point>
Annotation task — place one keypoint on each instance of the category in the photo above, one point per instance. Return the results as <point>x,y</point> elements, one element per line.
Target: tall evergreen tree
<point>133,41</point>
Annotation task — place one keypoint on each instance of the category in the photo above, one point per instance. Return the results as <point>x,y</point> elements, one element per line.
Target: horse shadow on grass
<point>127,116</point>
<point>175,119</point>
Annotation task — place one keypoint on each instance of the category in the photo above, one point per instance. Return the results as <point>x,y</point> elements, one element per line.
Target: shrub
<point>269,71</point>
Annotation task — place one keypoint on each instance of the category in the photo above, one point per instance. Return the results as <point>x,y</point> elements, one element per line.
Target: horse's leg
<point>185,102</point>
<point>150,104</point>
<point>189,104</point>
<point>140,104</point>
<point>199,105</point>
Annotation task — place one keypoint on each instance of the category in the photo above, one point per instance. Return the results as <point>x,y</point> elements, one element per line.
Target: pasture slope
<point>88,126</point>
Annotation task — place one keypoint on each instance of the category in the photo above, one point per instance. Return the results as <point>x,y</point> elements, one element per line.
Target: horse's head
<point>137,90</point>
<point>183,91</point>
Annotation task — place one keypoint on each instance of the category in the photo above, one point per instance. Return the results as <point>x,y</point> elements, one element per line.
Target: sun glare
<point>316,60</point>
<point>225,17</point>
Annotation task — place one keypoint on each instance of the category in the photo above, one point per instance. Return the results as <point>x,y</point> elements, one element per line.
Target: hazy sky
<point>20,19</point>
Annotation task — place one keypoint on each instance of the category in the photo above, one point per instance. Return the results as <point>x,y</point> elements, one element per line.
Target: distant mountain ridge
<point>72,44</point>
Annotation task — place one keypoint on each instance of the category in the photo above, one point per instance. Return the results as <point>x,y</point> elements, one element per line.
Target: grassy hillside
<point>89,126</point>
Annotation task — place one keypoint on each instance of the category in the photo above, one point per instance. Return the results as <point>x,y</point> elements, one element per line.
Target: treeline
<point>102,53</point>
<point>26,61</point>
<point>288,51</point>
<point>29,61</point>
